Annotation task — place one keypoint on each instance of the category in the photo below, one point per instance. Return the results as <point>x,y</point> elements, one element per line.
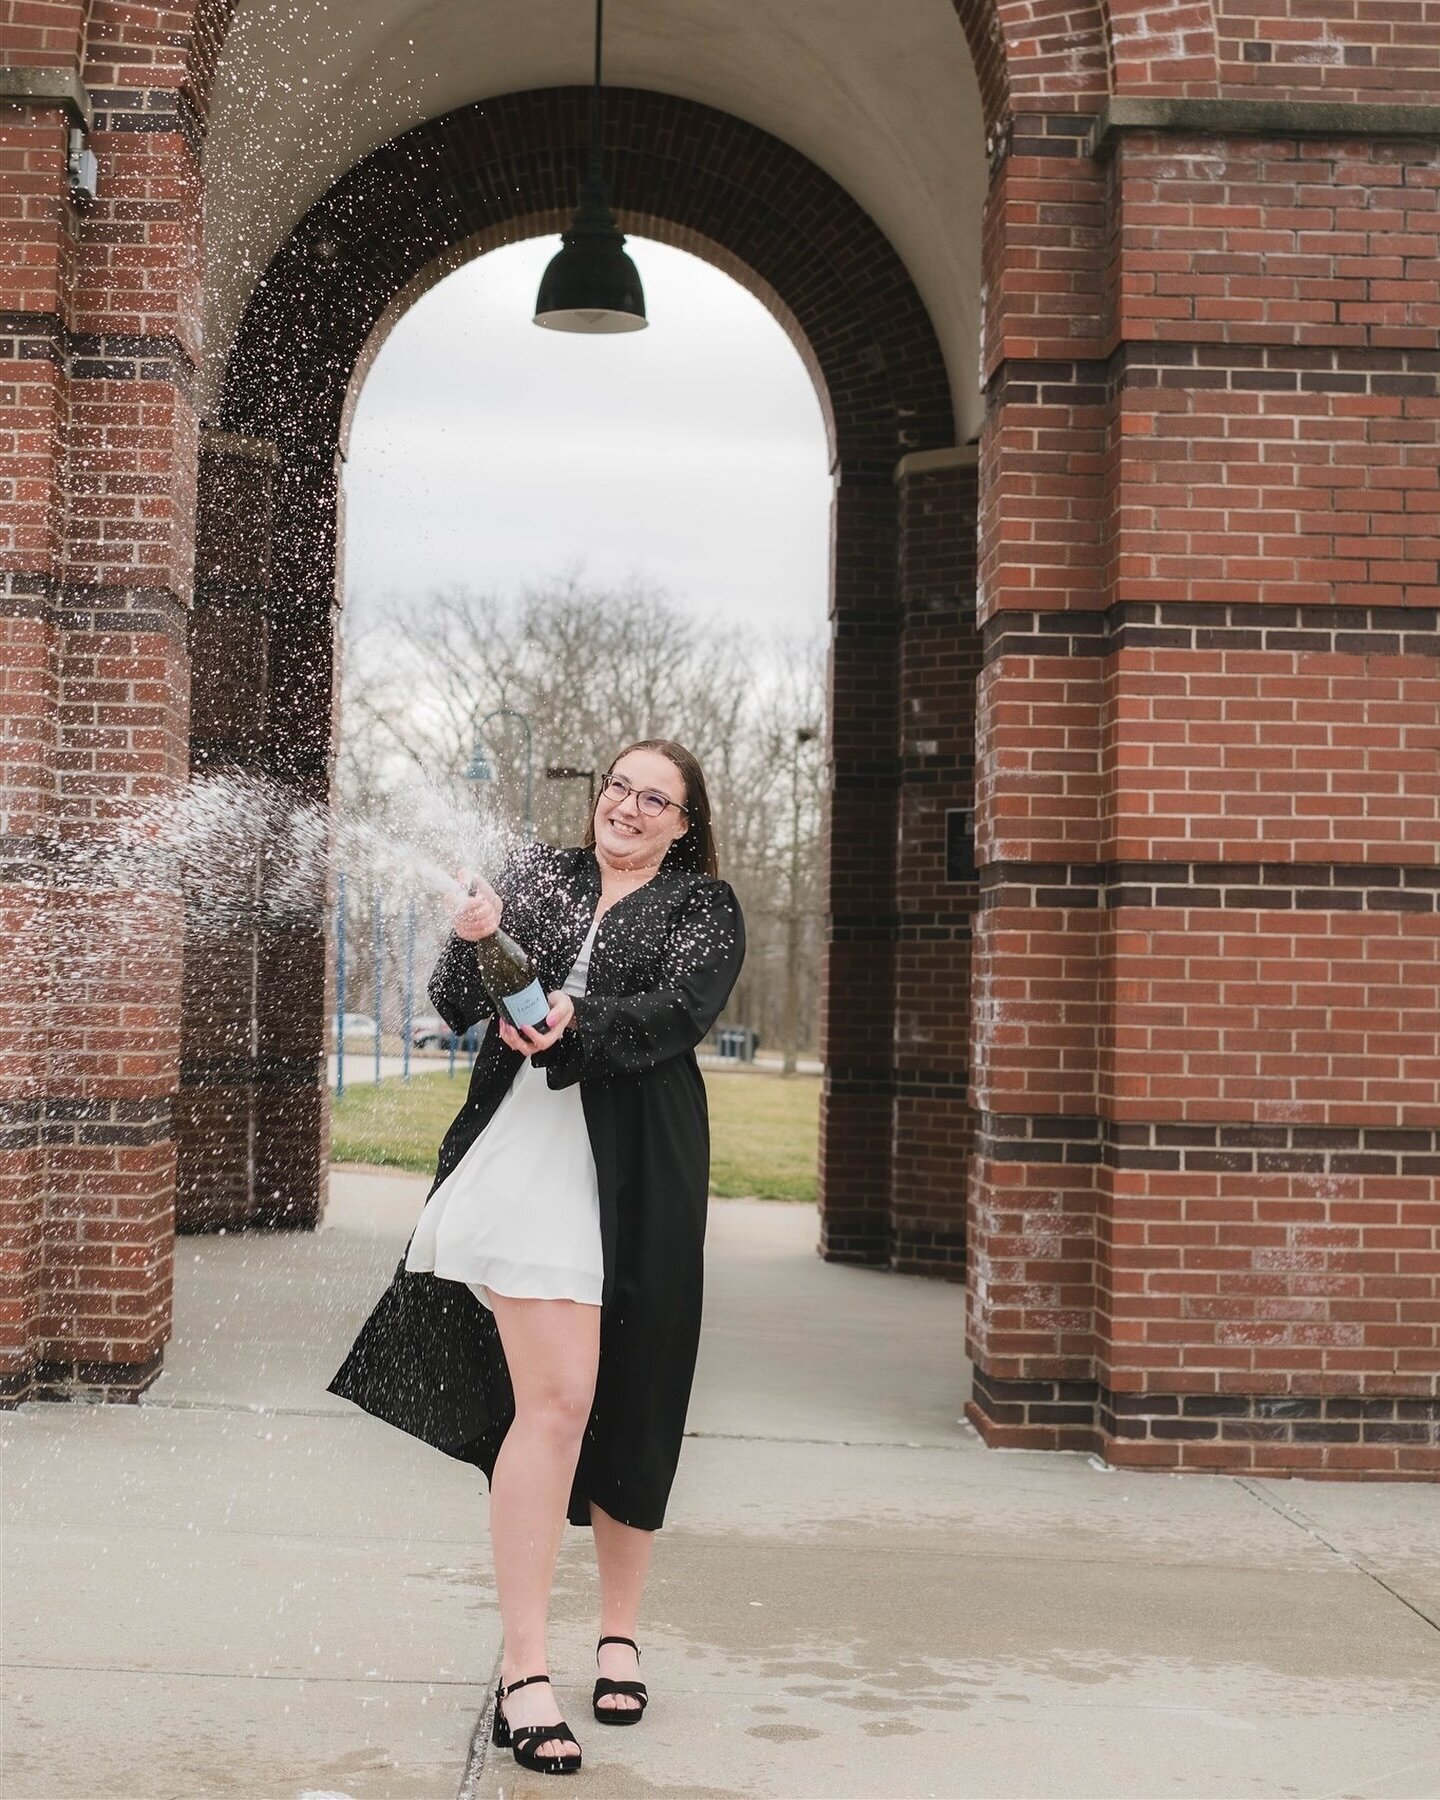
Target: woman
<point>545,1319</point>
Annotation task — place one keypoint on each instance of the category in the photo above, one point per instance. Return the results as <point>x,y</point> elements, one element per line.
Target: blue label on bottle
<point>528,1007</point>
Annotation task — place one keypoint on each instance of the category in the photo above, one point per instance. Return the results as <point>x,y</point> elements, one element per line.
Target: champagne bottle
<point>511,981</point>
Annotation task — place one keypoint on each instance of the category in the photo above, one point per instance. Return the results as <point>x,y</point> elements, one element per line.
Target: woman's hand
<point>477,909</point>
<point>528,1040</point>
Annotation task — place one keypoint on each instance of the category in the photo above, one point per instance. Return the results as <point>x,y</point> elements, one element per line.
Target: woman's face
<point>626,836</point>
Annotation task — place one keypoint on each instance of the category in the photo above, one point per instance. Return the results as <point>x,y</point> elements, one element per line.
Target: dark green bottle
<point>511,981</point>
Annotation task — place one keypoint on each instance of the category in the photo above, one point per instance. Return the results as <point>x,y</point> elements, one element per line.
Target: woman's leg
<point>553,1350</point>
<point>622,1553</point>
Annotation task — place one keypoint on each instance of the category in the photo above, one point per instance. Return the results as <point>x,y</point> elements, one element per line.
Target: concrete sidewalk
<point>245,1588</point>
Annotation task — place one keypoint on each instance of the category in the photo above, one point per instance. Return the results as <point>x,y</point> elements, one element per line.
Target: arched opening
<point>899,875</point>
<point>553,547</point>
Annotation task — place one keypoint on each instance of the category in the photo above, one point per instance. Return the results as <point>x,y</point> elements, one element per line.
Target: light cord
<point>595,98</point>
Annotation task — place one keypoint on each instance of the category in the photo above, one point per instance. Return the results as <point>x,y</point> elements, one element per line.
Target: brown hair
<point>696,850</point>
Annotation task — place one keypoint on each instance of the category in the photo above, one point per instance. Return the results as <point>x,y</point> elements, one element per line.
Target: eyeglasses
<point>650,801</point>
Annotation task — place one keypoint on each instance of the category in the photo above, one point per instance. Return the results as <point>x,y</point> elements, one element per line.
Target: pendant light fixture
<point>591,285</point>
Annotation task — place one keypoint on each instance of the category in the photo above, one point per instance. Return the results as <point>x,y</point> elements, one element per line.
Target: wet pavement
<point>245,1588</point>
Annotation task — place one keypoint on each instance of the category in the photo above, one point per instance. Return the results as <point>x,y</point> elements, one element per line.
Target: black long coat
<point>429,1357</point>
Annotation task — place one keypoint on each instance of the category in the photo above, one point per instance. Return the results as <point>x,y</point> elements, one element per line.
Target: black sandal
<point>521,1739</point>
<point>618,1715</point>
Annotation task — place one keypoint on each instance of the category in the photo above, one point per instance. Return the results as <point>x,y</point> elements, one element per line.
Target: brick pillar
<point>29,681</point>
<point>36,249</point>
<point>292,1106</point>
<point>857,1018</point>
<point>1269,1291</point>
<point>255,1118</point>
<point>1035,992</point>
<point>101,303</point>
<point>230,649</point>
<point>1204,1200</point>
<point>933,1123</point>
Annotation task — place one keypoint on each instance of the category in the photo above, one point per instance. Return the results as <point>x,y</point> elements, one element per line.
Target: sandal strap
<point>619,1640</point>
<point>528,1734</point>
<point>606,1686</point>
<point>524,1681</point>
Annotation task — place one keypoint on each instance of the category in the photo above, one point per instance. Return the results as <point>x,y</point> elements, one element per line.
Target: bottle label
<point>528,1007</point>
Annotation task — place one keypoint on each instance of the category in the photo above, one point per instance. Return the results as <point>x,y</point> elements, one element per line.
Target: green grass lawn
<point>764,1130</point>
<point>764,1134</point>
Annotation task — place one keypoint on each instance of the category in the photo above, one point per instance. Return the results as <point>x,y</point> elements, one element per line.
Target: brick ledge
<point>1333,1436</point>
<point>1262,118</point>
<point>48,88</point>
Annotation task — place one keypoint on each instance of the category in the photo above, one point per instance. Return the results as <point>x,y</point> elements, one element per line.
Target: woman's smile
<point>631,838</point>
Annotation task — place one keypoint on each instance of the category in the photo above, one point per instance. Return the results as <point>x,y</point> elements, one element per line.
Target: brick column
<point>27,691</point>
<point>937,887</point>
<point>857,1017</point>
<point>292,1108</point>
<point>1270,1293</point>
<point>1035,993</point>
<point>99,571</point>
<point>230,649</point>
<point>36,249</point>
<point>1209,756</point>
<point>255,1120</point>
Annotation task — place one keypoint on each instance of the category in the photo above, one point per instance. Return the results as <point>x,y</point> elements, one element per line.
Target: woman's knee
<point>552,1348</point>
<point>556,1403</point>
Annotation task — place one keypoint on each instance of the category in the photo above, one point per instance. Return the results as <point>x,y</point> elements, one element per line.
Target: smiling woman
<point>545,1319</point>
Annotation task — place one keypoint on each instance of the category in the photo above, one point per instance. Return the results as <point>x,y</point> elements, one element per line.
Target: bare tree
<point>591,670</point>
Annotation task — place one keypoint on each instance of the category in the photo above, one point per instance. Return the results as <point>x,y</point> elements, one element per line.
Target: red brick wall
<point>1202,1215</point>
<point>97,437</point>
<point>215,1120</point>
<point>1070,55</point>
<point>1203,1123</point>
<point>42,33</point>
<point>937,887</point>
<point>857,1010</point>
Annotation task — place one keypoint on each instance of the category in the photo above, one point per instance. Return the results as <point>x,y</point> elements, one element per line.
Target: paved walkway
<point>244,1588</point>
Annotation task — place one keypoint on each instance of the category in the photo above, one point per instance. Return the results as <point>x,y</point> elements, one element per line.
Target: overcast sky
<point>691,456</point>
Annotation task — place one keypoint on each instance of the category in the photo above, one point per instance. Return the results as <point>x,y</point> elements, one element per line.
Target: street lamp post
<point>480,770</point>
<point>805,734</point>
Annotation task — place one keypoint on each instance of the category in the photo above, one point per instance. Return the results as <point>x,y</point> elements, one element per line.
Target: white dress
<point>520,1212</point>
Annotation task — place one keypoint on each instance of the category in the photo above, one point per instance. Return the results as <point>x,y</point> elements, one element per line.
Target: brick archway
<point>251,1121</point>
<point>1203,1221</point>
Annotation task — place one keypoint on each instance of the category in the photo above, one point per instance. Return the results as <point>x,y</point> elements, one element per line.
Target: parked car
<point>435,1034</point>
<point>425,1031</point>
<point>358,1025</point>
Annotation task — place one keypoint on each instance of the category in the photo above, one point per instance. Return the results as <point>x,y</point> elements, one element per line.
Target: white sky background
<point>691,456</point>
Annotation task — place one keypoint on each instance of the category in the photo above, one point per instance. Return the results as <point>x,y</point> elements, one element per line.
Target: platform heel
<point>619,1715</point>
<point>521,1740</point>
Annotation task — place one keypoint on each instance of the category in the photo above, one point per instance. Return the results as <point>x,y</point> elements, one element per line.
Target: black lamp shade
<point>591,285</point>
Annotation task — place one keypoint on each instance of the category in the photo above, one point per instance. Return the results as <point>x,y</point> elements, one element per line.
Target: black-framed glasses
<point>650,801</point>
